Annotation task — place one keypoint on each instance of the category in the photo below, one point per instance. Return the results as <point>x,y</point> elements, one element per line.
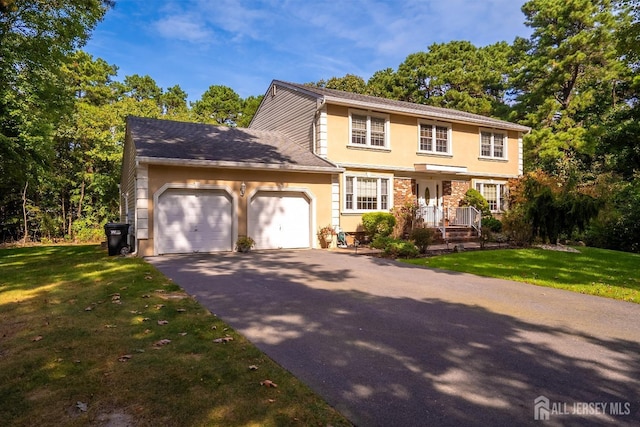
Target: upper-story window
<point>434,138</point>
<point>493,144</point>
<point>369,129</point>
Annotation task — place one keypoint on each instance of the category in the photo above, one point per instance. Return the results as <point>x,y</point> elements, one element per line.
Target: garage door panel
<point>280,221</point>
<point>194,221</point>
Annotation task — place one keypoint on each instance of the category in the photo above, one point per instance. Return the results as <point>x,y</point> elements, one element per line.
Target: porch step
<point>456,234</point>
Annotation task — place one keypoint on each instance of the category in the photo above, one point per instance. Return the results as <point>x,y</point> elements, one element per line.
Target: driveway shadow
<point>388,360</point>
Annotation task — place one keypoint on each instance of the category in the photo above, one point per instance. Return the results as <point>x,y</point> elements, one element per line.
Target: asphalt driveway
<point>389,344</point>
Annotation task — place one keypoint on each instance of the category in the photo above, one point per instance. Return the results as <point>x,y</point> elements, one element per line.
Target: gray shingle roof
<point>392,105</point>
<point>166,139</point>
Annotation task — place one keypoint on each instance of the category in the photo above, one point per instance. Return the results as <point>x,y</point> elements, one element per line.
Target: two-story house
<point>309,158</point>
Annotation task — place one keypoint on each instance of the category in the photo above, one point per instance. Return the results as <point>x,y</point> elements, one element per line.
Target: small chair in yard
<point>342,240</point>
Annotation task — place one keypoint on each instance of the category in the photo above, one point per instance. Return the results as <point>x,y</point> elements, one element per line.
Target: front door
<point>429,193</point>
<point>429,201</point>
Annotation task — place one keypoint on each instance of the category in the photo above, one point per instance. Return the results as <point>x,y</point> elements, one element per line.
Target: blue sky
<point>246,44</point>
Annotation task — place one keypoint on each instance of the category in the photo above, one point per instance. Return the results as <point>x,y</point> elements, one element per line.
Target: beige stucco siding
<point>403,152</point>
<point>317,186</point>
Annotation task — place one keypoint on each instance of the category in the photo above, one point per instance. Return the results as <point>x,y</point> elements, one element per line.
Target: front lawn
<point>592,271</point>
<point>87,339</point>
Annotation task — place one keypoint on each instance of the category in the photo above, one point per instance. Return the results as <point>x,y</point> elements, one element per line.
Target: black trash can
<point>117,238</point>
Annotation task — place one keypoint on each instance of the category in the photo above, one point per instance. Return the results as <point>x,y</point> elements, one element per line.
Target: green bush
<point>401,249</point>
<point>86,231</point>
<point>474,198</point>
<point>378,224</point>
<point>422,237</point>
<point>517,228</point>
<point>492,224</point>
<point>380,242</point>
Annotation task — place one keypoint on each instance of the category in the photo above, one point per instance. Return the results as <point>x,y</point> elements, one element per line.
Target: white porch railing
<point>435,217</point>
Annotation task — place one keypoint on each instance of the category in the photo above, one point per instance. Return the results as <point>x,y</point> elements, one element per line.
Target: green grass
<point>592,271</point>
<point>78,328</point>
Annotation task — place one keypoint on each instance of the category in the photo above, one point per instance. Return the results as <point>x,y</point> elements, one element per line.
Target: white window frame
<point>434,125</point>
<point>369,115</point>
<point>492,149</point>
<point>379,193</point>
<point>502,192</point>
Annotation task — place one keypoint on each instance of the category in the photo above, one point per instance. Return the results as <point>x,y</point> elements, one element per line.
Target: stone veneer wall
<point>404,191</point>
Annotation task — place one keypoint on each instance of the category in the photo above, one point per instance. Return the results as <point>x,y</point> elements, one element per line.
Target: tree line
<point>574,81</point>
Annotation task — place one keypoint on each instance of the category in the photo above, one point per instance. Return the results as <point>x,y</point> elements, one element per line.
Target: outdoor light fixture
<point>243,188</point>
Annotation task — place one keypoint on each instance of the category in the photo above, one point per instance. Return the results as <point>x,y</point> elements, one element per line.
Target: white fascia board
<point>426,167</point>
<point>165,161</point>
<point>374,167</point>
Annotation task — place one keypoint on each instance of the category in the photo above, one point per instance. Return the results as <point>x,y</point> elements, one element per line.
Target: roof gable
<point>402,107</point>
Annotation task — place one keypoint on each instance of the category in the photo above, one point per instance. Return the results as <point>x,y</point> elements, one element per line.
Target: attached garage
<point>191,187</point>
<point>280,220</point>
<point>193,220</point>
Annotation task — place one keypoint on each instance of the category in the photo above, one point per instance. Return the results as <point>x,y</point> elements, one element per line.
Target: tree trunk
<point>80,201</point>
<point>24,213</point>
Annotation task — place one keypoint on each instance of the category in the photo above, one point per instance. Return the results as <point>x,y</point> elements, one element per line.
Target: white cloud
<point>183,27</point>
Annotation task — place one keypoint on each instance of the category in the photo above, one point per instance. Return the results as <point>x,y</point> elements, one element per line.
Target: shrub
<point>517,228</point>
<point>381,242</point>
<point>422,237</point>
<point>401,249</point>
<point>492,224</point>
<point>378,223</point>
<point>86,231</point>
<point>405,219</point>
<point>474,198</point>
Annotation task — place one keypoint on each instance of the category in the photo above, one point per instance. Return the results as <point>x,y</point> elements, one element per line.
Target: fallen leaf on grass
<point>253,367</point>
<point>110,326</point>
<point>214,327</point>
<point>161,343</point>
<point>223,340</point>
<point>148,277</point>
<point>124,357</point>
<point>81,406</point>
<point>36,339</point>
<point>146,296</point>
<point>181,310</point>
<point>163,322</point>
<point>182,334</point>
<point>268,383</point>
<point>159,306</point>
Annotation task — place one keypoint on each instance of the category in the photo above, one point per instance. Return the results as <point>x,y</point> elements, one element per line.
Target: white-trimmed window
<point>434,138</point>
<point>368,129</point>
<point>495,193</point>
<point>493,144</point>
<point>364,193</point>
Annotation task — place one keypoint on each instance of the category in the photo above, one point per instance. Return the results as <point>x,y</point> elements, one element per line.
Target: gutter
<point>166,161</point>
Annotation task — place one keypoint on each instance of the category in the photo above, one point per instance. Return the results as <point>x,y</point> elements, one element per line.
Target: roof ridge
<point>413,107</point>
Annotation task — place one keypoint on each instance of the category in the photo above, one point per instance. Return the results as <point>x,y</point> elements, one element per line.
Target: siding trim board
<point>165,161</point>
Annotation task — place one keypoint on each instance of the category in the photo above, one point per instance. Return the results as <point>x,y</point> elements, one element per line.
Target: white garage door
<point>278,220</point>
<point>193,221</point>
